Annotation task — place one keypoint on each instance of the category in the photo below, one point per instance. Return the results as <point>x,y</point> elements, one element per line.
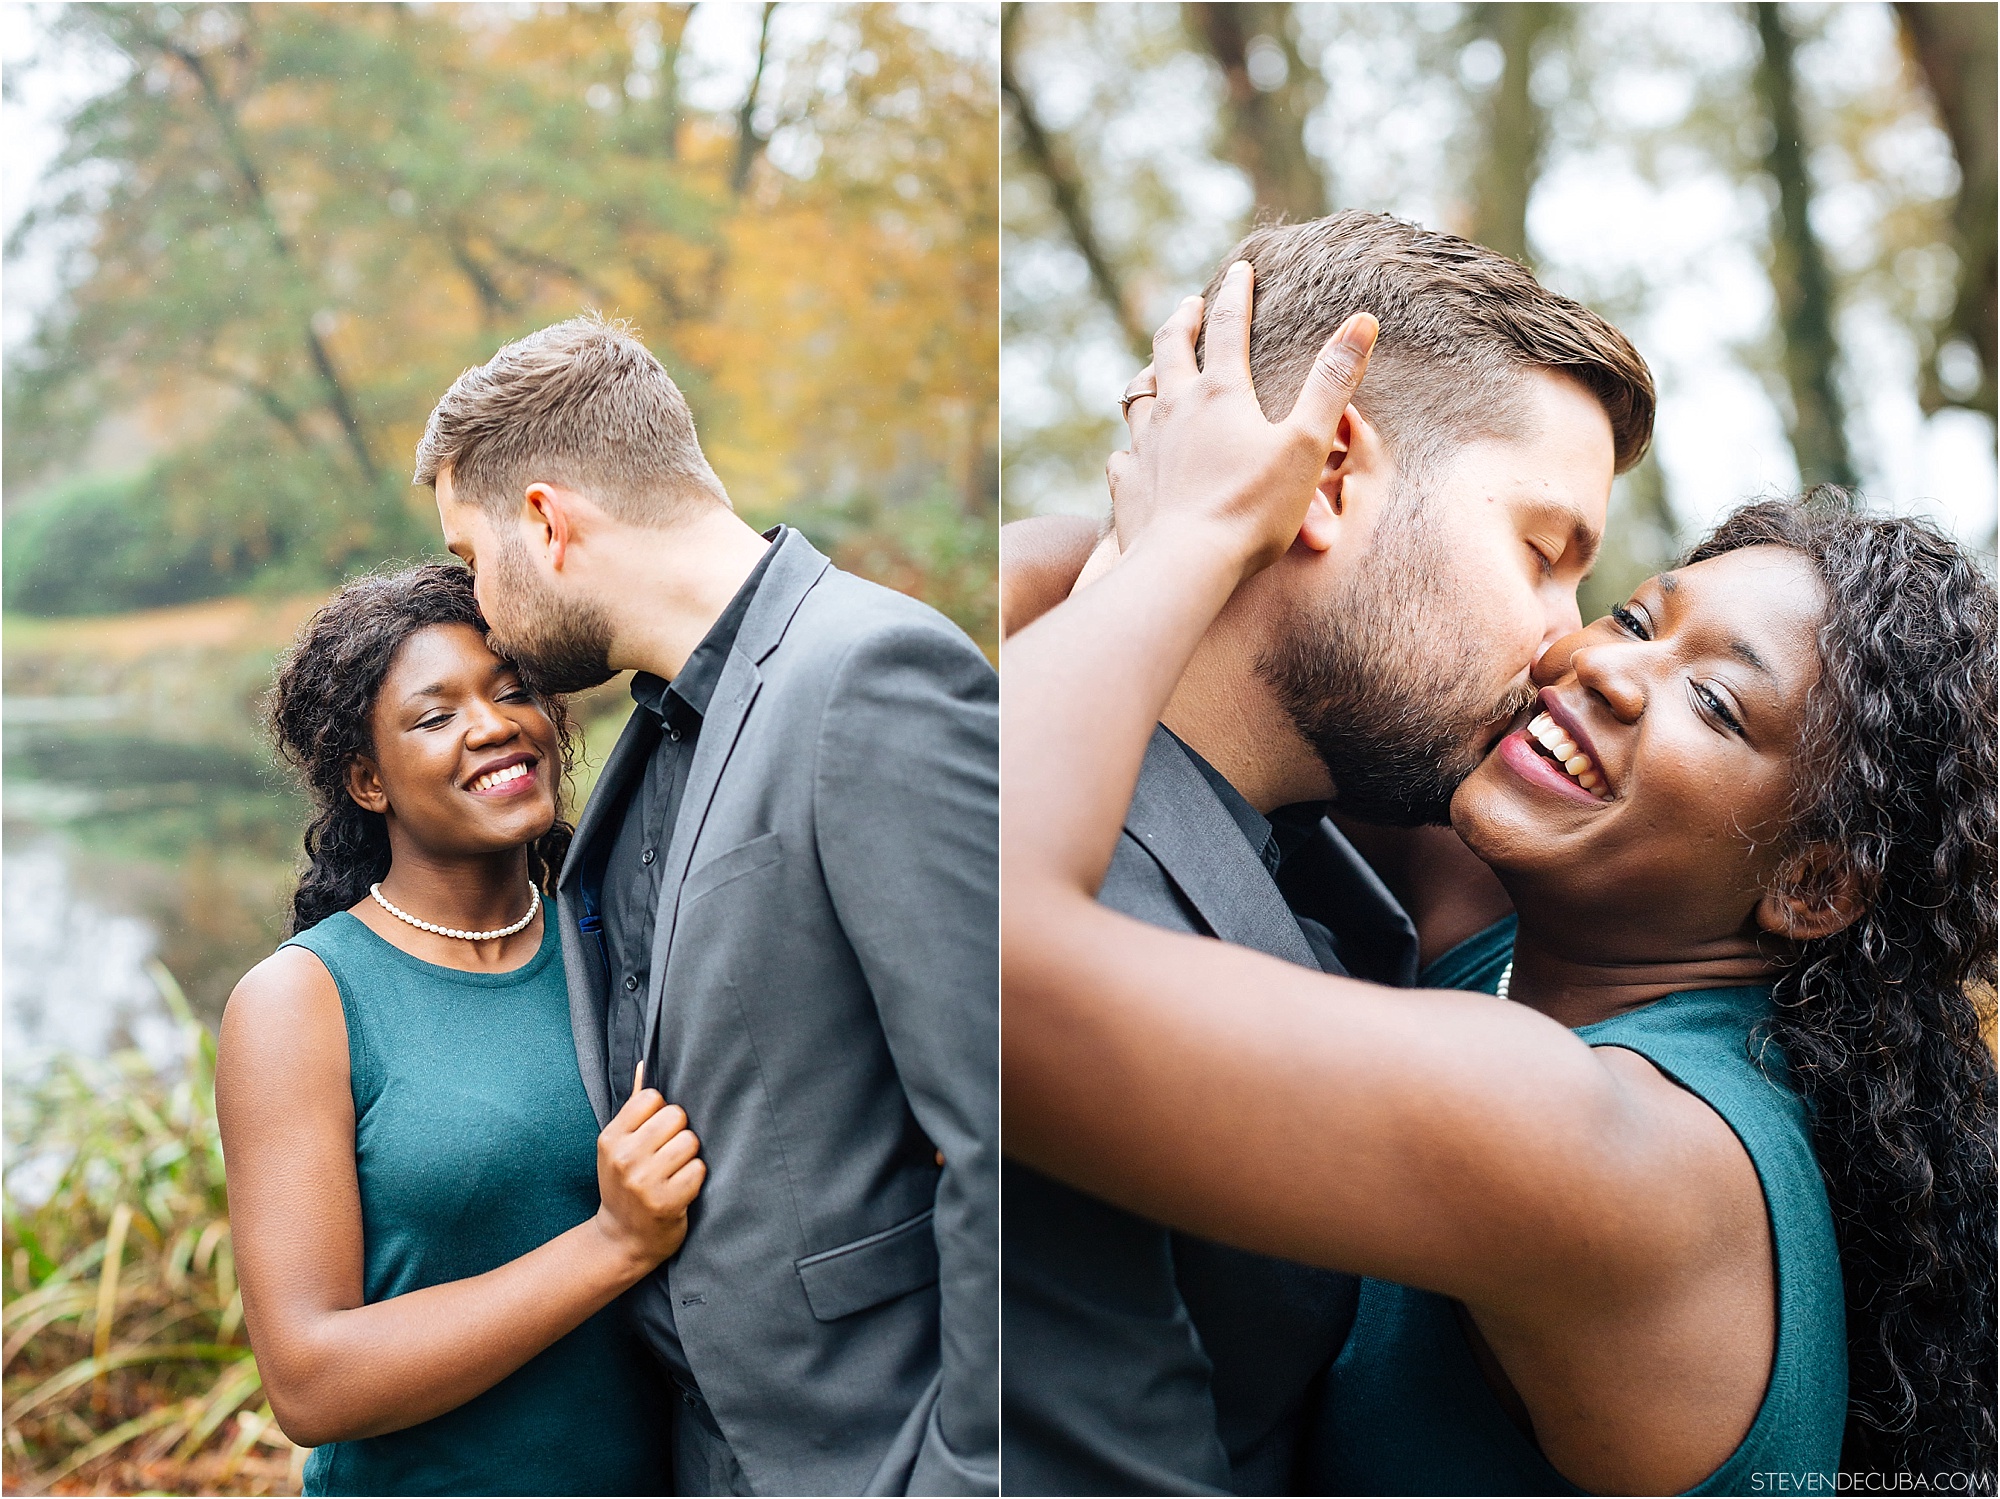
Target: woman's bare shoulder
<point>289,1001</point>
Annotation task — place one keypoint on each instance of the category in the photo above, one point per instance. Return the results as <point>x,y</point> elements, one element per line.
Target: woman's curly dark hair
<point>319,713</point>
<point>1882,1022</point>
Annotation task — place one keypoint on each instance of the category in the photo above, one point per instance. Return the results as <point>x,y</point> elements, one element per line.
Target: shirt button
<point>646,857</point>
<point>674,735</point>
<point>631,982</point>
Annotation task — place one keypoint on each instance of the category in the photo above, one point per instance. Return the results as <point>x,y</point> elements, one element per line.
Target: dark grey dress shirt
<point>1275,838</point>
<point>629,883</point>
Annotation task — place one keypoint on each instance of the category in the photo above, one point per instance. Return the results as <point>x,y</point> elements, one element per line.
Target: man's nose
<point>1561,618</point>
<point>1564,616</point>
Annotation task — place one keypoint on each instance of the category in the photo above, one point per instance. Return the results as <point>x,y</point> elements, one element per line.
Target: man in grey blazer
<point>1141,1360</point>
<point>778,909</point>
<point>1364,670</point>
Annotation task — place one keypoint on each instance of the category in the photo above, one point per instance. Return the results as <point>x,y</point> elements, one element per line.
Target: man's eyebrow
<point>1584,541</point>
<point>1584,538</point>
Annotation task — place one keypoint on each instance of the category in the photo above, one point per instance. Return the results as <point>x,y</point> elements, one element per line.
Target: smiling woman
<point>405,1063</point>
<point>324,715</point>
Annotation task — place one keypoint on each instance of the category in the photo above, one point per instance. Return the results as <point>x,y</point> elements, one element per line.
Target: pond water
<point>118,848</point>
<point>75,979</point>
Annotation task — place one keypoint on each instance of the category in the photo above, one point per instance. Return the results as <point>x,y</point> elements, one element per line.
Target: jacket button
<point>631,982</point>
<point>646,857</point>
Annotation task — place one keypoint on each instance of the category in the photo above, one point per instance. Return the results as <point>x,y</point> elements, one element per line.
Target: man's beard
<point>560,645</point>
<point>1384,681</point>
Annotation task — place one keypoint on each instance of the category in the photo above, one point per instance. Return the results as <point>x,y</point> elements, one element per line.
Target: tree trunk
<point>1954,47</point>
<point>1799,274</point>
<point>1515,129</point>
<point>1066,190</point>
<point>223,112</point>
<point>749,144</point>
<point>673,26</point>
<point>1269,103</point>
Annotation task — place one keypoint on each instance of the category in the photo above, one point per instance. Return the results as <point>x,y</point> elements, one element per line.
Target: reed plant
<point>126,1366</point>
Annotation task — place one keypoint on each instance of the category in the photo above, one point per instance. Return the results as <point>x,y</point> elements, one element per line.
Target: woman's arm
<point>1436,1139</point>
<point>334,1368</point>
<point>1040,559</point>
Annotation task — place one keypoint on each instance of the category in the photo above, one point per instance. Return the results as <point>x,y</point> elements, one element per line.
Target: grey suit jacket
<point>824,1003</point>
<point>1142,1361</point>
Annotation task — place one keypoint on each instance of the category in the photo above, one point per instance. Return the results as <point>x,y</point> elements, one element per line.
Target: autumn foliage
<point>290,226</point>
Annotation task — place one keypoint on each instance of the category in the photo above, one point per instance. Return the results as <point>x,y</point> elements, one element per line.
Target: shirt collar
<point>1293,826</point>
<point>1255,825</point>
<point>695,686</point>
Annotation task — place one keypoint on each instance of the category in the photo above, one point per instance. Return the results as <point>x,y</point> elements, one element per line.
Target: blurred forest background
<point>1789,208</point>
<point>247,249</point>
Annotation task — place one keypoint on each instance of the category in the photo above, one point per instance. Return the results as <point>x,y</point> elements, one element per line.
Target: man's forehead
<point>451,514</point>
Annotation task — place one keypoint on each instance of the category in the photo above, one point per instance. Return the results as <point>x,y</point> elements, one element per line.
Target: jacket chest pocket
<point>871,1270</point>
<point>730,865</point>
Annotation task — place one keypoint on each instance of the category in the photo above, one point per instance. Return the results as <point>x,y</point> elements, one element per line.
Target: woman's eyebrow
<point>1742,652</point>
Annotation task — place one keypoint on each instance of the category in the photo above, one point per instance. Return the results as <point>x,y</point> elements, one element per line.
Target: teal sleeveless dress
<point>1406,1409</point>
<point>474,1143</point>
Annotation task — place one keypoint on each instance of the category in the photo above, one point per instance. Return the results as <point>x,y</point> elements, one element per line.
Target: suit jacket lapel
<point>586,1002</point>
<point>627,760</point>
<point>793,571</point>
<point>1176,818</point>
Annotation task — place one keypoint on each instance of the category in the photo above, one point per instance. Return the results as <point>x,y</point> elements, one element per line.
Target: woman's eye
<point>1631,623</point>
<point>435,721</point>
<point>1542,559</point>
<point>1716,706</point>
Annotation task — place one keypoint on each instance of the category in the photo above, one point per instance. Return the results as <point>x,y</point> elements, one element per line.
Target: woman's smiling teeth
<point>494,778</point>
<point>1563,750</point>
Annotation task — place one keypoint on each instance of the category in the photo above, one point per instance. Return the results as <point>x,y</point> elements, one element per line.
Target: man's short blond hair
<point>582,404</point>
<point>1461,325</point>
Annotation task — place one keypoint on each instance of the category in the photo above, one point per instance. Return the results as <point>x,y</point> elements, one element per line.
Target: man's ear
<point>364,785</point>
<point>1353,440</point>
<point>1816,895</point>
<point>550,520</point>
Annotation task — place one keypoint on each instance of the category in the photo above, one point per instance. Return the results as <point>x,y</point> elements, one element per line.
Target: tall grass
<point>126,1368</point>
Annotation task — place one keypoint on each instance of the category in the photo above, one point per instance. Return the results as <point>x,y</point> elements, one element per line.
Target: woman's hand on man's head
<point>1204,455</point>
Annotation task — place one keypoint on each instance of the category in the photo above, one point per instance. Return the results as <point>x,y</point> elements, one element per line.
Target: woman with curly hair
<point>429,1228</point>
<point>1701,1196</point>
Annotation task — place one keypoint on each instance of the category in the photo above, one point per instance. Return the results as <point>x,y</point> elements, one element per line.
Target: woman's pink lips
<point>1518,757</point>
<point>515,787</point>
<point>1565,720</point>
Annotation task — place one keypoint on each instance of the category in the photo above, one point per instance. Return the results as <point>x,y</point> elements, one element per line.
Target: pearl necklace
<point>1506,980</point>
<point>534,905</point>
